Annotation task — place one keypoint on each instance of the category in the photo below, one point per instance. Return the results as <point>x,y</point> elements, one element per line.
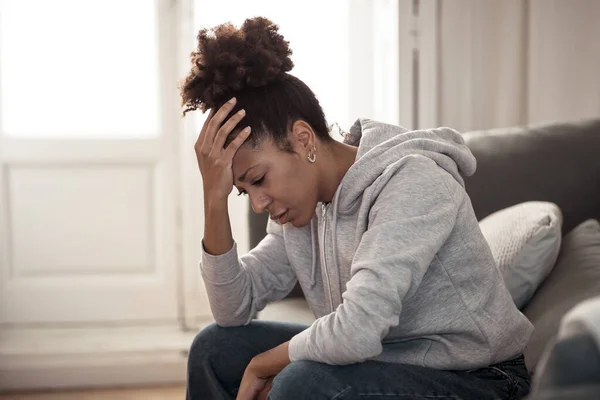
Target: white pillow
<point>525,240</point>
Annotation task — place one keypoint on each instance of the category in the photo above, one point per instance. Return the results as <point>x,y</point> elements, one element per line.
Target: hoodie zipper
<point>324,207</point>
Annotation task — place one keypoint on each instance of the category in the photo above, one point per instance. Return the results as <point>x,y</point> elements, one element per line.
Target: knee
<point>206,341</point>
<point>293,379</point>
<point>304,380</point>
<point>215,339</point>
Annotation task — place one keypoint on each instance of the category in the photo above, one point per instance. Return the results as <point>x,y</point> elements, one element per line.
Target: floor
<point>160,393</point>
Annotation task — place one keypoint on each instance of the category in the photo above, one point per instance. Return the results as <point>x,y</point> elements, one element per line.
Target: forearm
<point>272,362</point>
<point>217,226</point>
<point>231,303</point>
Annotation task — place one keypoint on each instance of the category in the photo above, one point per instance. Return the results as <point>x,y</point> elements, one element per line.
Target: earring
<point>312,156</point>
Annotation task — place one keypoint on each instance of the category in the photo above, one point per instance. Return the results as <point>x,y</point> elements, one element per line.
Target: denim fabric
<point>219,356</point>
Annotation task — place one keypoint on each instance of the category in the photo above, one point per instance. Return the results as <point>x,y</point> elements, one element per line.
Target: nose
<point>259,202</point>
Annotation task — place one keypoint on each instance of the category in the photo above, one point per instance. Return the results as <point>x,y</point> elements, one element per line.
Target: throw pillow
<point>525,240</point>
<point>576,277</point>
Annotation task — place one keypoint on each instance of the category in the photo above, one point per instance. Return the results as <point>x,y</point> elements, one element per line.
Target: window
<point>79,69</point>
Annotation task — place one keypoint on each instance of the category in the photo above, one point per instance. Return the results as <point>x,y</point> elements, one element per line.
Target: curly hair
<point>252,64</point>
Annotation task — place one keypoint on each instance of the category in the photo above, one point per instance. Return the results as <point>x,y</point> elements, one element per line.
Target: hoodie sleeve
<point>239,287</point>
<point>409,221</point>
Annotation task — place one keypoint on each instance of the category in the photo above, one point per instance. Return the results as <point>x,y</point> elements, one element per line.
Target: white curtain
<point>511,62</point>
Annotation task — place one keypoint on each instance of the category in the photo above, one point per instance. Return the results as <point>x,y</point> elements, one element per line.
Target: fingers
<point>202,134</point>
<point>216,120</point>
<point>205,125</point>
<point>237,142</point>
<point>226,129</point>
<point>263,395</point>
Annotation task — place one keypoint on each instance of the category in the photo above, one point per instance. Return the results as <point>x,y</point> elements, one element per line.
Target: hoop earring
<point>312,156</point>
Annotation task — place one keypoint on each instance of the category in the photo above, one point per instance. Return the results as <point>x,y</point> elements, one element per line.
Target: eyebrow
<point>243,177</point>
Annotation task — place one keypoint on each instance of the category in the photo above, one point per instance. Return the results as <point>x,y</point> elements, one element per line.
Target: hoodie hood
<point>381,145</point>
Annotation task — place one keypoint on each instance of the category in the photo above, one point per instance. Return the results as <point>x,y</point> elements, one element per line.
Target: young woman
<point>378,231</point>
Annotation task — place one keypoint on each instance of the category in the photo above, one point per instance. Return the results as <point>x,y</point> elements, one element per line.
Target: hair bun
<point>229,60</point>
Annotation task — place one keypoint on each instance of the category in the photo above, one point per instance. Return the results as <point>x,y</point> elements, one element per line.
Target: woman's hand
<point>264,394</point>
<point>259,374</point>
<point>253,385</point>
<point>214,161</point>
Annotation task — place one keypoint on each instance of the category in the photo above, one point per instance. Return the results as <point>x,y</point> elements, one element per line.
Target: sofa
<point>552,162</point>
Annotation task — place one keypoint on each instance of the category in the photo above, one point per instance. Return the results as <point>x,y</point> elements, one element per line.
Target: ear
<point>303,136</point>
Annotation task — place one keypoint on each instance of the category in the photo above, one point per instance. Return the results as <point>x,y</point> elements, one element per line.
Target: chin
<point>297,225</point>
<point>301,221</point>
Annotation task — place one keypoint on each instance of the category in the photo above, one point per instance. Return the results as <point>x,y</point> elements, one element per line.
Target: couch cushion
<point>525,240</point>
<point>575,277</point>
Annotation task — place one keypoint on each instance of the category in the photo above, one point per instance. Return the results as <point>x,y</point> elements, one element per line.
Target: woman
<point>378,231</point>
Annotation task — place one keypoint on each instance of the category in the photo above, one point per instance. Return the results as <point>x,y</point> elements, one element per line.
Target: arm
<point>408,223</point>
<point>238,287</point>
<point>258,376</point>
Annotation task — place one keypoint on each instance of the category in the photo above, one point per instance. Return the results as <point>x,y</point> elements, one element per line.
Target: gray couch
<point>555,162</point>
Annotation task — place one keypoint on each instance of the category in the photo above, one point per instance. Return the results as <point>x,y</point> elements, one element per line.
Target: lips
<point>281,217</point>
<point>284,218</point>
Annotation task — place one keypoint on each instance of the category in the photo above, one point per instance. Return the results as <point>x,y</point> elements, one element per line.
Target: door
<point>88,162</point>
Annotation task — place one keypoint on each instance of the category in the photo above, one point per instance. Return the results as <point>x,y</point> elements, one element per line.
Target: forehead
<point>247,157</point>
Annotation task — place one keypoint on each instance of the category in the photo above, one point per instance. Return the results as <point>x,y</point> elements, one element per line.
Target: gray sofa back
<point>557,162</point>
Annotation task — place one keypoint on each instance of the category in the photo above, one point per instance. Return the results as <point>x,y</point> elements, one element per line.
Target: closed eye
<point>257,182</point>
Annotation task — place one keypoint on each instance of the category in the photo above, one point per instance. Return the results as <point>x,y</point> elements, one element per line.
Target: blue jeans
<point>219,356</point>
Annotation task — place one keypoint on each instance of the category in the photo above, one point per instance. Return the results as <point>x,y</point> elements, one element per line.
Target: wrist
<point>215,202</point>
<point>271,362</point>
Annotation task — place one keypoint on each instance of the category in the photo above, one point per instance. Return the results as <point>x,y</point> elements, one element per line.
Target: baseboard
<point>60,358</point>
<point>73,358</point>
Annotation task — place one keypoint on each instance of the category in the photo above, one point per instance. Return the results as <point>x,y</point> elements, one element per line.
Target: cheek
<point>290,191</point>
<point>300,184</point>
<point>289,185</point>
<point>301,195</point>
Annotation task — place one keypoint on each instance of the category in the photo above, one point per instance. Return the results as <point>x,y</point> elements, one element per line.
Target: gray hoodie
<point>395,269</point>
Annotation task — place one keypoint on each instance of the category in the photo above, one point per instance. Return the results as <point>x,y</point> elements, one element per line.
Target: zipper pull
<point>324,209</point>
